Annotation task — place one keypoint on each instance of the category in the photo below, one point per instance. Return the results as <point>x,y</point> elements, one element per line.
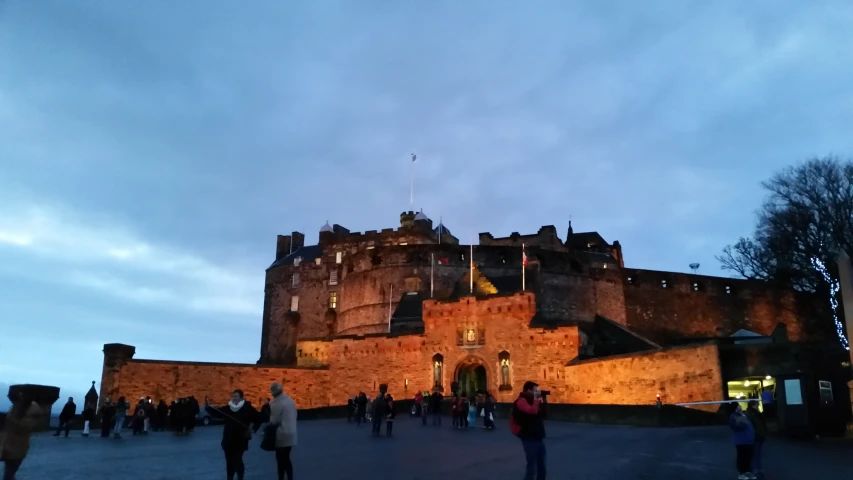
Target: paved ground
<point>334,450</point>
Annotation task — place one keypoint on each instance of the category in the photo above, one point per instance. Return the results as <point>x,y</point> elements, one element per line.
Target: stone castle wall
<point>679,374</point>
<point>696,306</point>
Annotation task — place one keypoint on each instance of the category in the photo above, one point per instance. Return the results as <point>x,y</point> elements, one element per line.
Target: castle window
<point>728,289</point>
<point>697,287</point>
<point>333,300</point>
<point>460,336</point>
<point>371,246</point>
<point>506,382</point>
<point>294,280</point>
<point>318,261</point>
<point>663,284</point>
<point>481,336</point>
<point>333,277</point>
<point>462,256</point>
<point>294,303</point>
<point>404,243</point>
<point>297,261</point>
<point>631,281</point>
<point>437,370</point>
<point>339,257</point>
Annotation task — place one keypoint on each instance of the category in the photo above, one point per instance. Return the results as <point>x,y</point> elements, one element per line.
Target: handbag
<point>268,442</point>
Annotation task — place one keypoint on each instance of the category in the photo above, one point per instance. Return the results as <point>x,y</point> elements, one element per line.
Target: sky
<point>151,151</point>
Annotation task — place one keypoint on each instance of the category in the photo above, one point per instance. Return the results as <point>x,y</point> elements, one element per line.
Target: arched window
<point>437,369</point>
<point>506,380</point>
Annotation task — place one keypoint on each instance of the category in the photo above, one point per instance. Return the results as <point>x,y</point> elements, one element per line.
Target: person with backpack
<point>527,423</point>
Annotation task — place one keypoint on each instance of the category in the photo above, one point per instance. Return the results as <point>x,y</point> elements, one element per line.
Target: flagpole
<point>471,274</point>
<point>523,268</point>
<point>440,228</point>
<point>431,274</point>
<point>412,183</point>
<point>390,296</point>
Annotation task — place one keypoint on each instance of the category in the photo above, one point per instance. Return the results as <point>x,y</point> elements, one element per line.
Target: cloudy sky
<point>151,151</point>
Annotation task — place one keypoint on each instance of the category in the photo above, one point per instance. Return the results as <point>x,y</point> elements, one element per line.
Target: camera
<point>544,393</point>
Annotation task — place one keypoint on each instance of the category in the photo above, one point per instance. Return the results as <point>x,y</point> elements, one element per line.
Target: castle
<point>412,308</point>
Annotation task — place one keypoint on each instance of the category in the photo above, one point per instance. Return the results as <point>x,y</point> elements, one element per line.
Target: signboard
<point>793,392</point>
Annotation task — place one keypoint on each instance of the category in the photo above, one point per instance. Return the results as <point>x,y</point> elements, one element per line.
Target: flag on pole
<point>523,268</point>
<point>414,157</point>
<point>443,261</point>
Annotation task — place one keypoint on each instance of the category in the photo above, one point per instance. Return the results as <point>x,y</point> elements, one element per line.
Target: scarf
<point>236,406</point>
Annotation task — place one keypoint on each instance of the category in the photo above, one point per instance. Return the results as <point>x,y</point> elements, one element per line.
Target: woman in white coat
<point>283,416</point>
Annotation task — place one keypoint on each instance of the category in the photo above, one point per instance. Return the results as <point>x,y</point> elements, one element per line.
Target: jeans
<point>757,451</point>
<point>377,424</point>
<point>423,417</point>
<point>118,425</point>
<point>436,418</point>
<point>282,460</point>
<point>534,452</point>
<point>744,458</point>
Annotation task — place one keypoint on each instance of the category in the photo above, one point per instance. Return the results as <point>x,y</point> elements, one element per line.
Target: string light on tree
<point>834,287</point>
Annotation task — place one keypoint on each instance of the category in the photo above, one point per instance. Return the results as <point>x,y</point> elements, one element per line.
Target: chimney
<point>407,219</point>
<point>282,246</point>
<point>298,240</point>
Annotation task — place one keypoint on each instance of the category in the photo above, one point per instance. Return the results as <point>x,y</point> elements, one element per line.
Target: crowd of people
<point>179,417</point>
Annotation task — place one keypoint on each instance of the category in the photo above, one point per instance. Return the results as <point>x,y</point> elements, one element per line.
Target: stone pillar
<point>845,277</point>
<point>116,355</point>
<point>43,395</point>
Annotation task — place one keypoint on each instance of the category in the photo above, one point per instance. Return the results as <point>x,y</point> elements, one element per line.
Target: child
<point>744,440</point>
<point>390,415</point>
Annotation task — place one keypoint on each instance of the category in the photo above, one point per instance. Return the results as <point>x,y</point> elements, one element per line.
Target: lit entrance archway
<point>471,376</point>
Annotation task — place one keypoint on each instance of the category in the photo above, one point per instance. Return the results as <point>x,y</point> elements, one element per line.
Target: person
<point>472,412</point>
<point>435,406</point>
<point>88,416</point>
<point>527,423</point>
<point>378,413</point>
<point>360,408</point>
<point>464,408</point>
<point>743,435</point>
<point>139,417</point>
<point>108,417</point>
<point>425,403</point>
<point>239,416</point>
<point>21,420</point>
<point>454,409</point>
<point>283,416</point>
<point>390,414</point>
<point>419,402</point>
<point>265,412</point>
<point>162,415</point>
<point>350,409</point>
<point>759,424</point>
<point>65,417</point>
<point>489,413</point>
<point>121,413</point>
<point>149,413</point>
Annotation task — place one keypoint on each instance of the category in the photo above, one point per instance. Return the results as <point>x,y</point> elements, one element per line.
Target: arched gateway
<point>471,375</point>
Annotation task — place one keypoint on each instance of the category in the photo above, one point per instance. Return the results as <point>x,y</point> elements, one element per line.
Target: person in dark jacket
<point>361,408</point>
<point>121,413</point>
<point>390,414</point>
<point>65,417</point>
<point>759,424</point>
<point>435,401</point>
<point>162,415</point>
<point>425,402</point>
<point>527,423</point>
<point>489,412</point>
<point>265,412</point>
<point>743,435</point>
<point>108,418</point>
<point>350,409</point>
<point>379,406</point>
<point>240,418</point>
<point>193,412</point>
<point>140,415</point>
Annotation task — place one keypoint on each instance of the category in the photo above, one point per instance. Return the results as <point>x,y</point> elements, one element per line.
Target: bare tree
<point>807,214</point>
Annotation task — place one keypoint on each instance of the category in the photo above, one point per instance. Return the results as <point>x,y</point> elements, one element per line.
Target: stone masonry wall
<point>405,363</point>
<point>679,374</point>
<point>695,305</point>
<point>170,380</point>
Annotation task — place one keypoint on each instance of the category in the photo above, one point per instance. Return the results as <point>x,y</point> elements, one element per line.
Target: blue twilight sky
<point>151,151</point>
